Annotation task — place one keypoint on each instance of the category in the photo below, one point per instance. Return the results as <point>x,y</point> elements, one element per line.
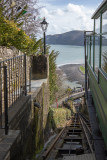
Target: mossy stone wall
<point>39,67</point>
<point>40,116</point>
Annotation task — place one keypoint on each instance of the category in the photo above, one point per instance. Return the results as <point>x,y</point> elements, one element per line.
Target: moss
<point>39,139</point>
<point>28,147</point>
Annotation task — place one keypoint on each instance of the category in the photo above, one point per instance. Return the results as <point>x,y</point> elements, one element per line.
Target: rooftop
<point>102,7</point>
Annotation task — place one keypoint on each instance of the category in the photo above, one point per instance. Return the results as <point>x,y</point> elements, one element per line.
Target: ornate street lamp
<point>44,26</point>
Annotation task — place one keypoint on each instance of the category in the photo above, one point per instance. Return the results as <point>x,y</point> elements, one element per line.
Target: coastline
<point>72,73</point>
<point>60,65</point>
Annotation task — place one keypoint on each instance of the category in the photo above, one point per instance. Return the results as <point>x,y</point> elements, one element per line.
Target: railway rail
<point>73,142</point>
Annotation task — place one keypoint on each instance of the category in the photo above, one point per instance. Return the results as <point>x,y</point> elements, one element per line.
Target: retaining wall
<point>27,121</point>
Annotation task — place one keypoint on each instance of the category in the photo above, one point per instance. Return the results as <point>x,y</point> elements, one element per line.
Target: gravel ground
<point>73,73</point>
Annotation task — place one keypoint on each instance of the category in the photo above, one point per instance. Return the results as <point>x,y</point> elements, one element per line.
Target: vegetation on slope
<point>58,117</point>
<point>82,69</point>
<point>52,75</point>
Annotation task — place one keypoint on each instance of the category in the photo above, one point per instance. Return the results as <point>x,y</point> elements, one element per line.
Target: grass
<point>58,117</point>
<point>82,69</point>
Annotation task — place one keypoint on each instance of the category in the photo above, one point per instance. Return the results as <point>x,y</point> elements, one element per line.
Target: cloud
<point>74,8</point>
<point>67,18</point>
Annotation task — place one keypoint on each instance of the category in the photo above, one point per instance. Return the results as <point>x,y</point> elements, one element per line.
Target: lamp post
<point>44,26</point>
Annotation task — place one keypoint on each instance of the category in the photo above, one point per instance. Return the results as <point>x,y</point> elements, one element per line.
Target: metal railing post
<point>30,70</point>
<point>6,100</point>
<point>0,96</point>
<point>25,74</point>
<point>15,72</point>
<point>44,44</point>
<point>85,63</point>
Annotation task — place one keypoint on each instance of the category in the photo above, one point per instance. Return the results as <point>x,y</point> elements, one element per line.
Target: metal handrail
<point>13,85</point>
<point>12,58</point>
<point>5,100</point>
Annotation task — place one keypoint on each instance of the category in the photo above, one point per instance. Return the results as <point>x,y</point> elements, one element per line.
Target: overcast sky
<point>67,15</point>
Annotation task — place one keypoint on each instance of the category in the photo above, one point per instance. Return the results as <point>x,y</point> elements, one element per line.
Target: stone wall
<point>15,73</point>
<point>39,67</point>
<point>28,115</point>
<point>31,121</point>
<point>8,53</point>
<point>41,114</point>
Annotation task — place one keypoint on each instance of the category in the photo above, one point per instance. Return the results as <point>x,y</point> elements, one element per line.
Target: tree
<point>24,12</point>
<point>52,75</point>
<point>36,48</point>
<point>11,35</point>
<point>68,91</point>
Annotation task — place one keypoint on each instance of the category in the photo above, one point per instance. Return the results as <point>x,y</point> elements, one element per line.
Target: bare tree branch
<point>24,12</point>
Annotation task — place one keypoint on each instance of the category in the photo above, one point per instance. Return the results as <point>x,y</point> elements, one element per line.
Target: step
<point>88,156</point>
<point>8,143</point>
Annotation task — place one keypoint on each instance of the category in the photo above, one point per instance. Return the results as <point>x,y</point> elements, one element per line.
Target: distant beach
<point>71,73</point>
<point>69,60</point>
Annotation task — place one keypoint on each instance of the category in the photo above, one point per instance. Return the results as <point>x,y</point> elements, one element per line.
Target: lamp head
<point>44,25</point>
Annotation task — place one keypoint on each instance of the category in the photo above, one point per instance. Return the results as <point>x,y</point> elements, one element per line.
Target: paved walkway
<point>75,95</point>
<point>97,138</point>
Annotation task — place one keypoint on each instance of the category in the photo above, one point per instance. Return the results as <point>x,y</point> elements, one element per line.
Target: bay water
<point>69,54</point>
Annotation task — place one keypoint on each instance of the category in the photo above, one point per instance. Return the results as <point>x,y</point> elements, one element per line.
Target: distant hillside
<point>68,38</point>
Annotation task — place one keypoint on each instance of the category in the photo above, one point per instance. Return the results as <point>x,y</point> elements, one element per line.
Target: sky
<point>68,15</point>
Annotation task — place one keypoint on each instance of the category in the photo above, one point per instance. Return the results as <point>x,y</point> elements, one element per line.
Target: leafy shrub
<point>11,35</point>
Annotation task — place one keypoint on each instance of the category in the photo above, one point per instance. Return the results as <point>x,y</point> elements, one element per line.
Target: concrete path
<point>75,95</point>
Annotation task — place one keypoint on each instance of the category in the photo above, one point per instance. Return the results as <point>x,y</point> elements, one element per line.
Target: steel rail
<point>86,125</point>
<point>84,117</point>
<point>50,151</point>
<point>86,135</point>
<point>72,134</point>
<point>46,153</point>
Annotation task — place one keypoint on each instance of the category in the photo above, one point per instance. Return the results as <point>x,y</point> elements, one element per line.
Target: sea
<point>69,54</point>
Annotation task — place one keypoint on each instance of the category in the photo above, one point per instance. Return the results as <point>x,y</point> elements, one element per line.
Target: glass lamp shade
<point>44,25</point>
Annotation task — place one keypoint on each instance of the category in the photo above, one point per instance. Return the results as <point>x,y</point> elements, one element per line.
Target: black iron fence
<point>14,80</point>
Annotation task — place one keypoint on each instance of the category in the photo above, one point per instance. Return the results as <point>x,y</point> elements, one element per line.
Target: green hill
<point>68,38</point>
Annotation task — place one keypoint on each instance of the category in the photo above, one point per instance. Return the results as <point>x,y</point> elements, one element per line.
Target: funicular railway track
<point>74,142</point>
